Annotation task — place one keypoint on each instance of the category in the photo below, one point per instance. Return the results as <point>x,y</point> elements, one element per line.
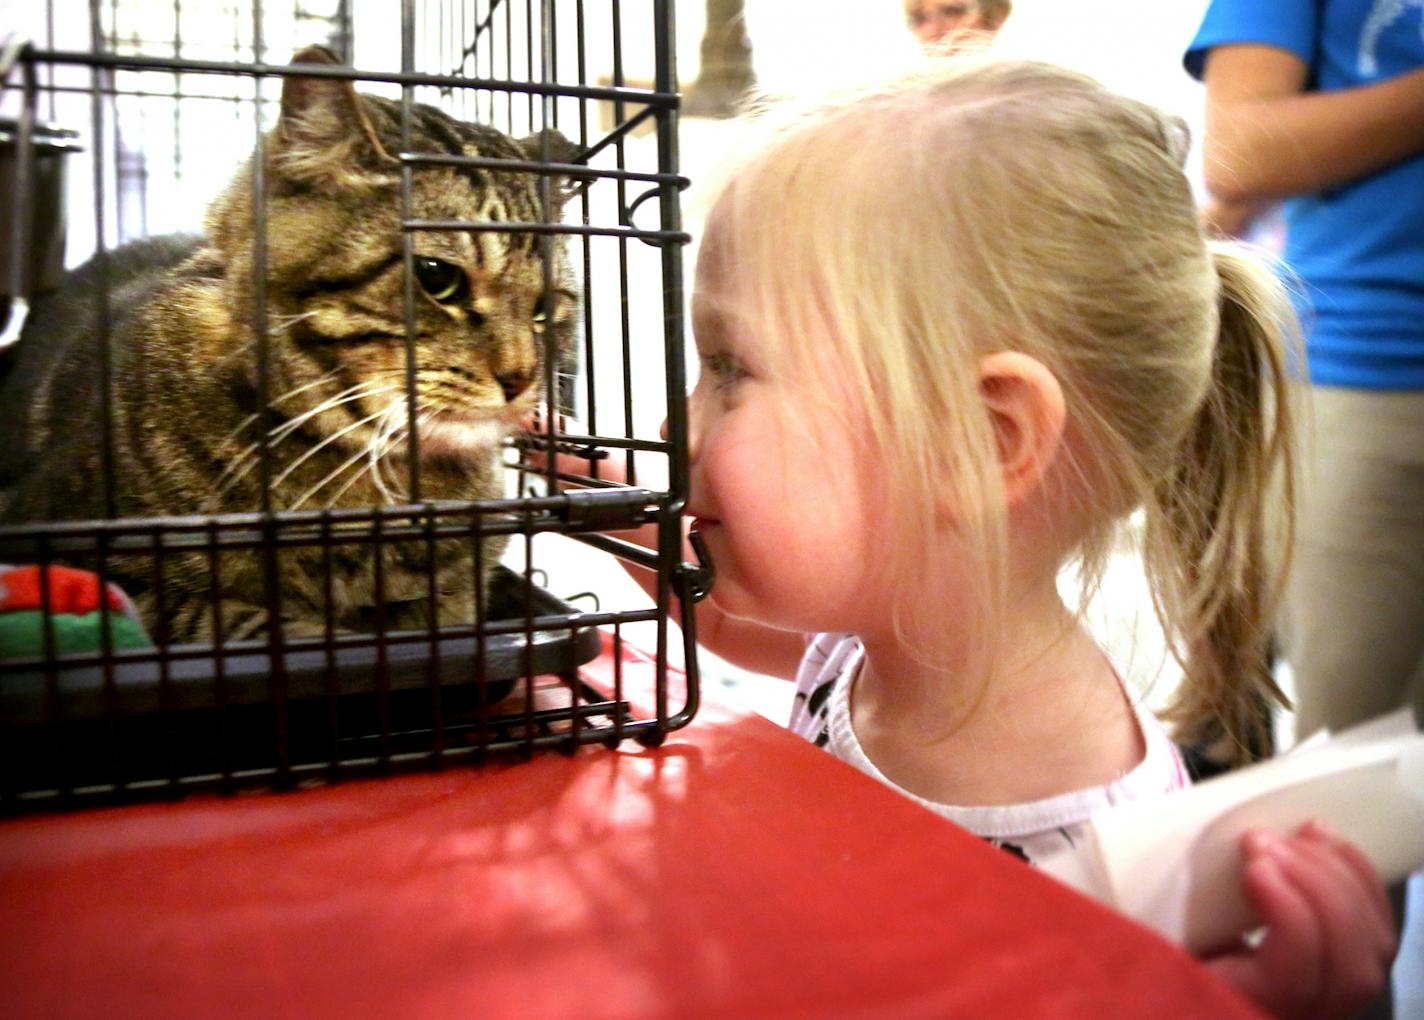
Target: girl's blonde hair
<point>979,207</point>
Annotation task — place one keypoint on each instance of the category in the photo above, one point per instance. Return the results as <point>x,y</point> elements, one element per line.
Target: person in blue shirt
<point>1320,103</point>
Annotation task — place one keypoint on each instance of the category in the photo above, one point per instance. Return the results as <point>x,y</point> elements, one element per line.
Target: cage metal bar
<point>126,62</point>
<point>529,51</point>
<point>412,437</point>
<point>345,42</point>
<point>165,679</point>
<point>585,242</point>
<point>624,128</point>
<point>49,41</point>
<point>670,537</point>
<point>546,248</point>
<point>270,568</point>
<point>24,185</point>
<point>625,505</point>
<point>429,524</point>
<point>526,650</point>
<point>630,467</point>
<point>538,624</point>
<point>177,88</point>
<point>104,368</point>
<point>357,767</point>
<point>220,679</point>
<point>545,168</point>
<point>434,677</point>
<point>432,674</point>
<point>328,633</point>
<point>509,61</point>
<point>138,93</point>
<point>383,665</point>
<point>484,26</point>
<point>482,705</point>
<point>547,107</point>
<point>623,233</point>
<point>51,673</point>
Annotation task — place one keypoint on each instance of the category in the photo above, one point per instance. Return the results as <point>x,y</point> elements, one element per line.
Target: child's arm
<point>1330,932</point>
<point>744,643</point>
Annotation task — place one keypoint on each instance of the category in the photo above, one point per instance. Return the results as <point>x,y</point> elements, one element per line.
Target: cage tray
<point>351,702</point>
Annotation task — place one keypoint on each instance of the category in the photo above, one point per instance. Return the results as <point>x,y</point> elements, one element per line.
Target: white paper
<point>1174,863</point>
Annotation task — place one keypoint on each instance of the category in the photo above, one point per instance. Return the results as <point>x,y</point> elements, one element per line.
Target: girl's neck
<point>1052,718</point>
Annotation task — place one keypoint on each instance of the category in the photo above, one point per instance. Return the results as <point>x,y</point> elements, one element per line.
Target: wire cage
<point>349,654</point>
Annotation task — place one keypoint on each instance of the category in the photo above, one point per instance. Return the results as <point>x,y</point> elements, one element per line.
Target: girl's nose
<point>693,434</point>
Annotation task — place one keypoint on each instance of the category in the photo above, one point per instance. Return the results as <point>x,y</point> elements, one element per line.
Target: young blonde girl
<point>952,333</point>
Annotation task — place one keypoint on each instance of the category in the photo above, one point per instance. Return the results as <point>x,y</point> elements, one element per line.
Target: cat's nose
<point>512,383</point>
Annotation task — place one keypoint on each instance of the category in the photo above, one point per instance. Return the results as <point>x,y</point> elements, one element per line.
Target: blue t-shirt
<point>1358,248</point>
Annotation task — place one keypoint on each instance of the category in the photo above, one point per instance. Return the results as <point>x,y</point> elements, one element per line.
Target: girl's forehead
<point>720,287</point>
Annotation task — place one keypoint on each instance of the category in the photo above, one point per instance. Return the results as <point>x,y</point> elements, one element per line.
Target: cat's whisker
<point>337,472</point>
<point>355,393</point>
<point>380,445</point>
<point>282,323</point>
<point>275,324</point>
<point>318,447</point>
<point>251,419</point>
<point>336,498</point>
<point>249,457</point>
<point>389,442</point>
<point>360,455</point>
<point>363,454</point>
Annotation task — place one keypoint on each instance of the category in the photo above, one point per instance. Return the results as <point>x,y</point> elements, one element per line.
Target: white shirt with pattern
<point>1032,830</point>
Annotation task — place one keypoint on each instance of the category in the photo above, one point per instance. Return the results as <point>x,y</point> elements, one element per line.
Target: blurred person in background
<point>948,26</point>
<point>1319,104</point>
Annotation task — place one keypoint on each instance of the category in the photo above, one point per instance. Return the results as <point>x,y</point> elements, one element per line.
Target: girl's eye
<point>443,281</point>
<point>723,368</point>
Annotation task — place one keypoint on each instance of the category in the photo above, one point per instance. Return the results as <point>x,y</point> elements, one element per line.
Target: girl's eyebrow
<point>715,310</point>
<point>707,301</point>
<point>710,312</point>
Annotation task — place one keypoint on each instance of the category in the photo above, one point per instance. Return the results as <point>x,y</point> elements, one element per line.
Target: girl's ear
<point>1026,407</point>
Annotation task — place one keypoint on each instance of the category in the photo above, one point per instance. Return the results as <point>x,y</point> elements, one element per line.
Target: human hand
<point>571,461</point>
<point>1330,935</point>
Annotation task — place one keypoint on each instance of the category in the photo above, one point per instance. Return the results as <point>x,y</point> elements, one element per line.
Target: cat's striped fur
<point>185,407</point>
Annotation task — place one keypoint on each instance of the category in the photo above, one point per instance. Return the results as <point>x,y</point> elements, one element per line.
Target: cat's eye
<point>444,281</point>
<point>543,311</point>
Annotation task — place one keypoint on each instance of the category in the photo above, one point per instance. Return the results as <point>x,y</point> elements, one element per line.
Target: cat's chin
<point>461,439</point>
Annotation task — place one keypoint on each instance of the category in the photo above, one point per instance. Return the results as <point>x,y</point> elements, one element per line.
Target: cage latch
<point>695,580</point>
<point>604,509</point>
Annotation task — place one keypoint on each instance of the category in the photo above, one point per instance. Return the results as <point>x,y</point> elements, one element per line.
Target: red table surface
<point>737,871</point>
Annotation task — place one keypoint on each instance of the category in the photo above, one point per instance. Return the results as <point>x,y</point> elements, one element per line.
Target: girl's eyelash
<point>723,367</point>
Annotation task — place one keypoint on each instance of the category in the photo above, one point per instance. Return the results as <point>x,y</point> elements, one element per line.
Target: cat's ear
<point>325,132</point>
<point>549,146</point>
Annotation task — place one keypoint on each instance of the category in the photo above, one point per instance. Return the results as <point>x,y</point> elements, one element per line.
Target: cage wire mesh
<point>152,107</point>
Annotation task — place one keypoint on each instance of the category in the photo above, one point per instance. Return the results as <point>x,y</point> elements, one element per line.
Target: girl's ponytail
<point>1219,529</point>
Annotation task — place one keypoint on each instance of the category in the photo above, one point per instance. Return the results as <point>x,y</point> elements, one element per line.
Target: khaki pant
<point>1353,626</point>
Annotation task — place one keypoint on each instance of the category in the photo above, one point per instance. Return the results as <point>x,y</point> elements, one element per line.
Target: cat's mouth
<point>456,436</point>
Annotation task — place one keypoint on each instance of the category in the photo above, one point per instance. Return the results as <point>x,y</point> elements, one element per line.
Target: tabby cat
<point>185,404</point>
